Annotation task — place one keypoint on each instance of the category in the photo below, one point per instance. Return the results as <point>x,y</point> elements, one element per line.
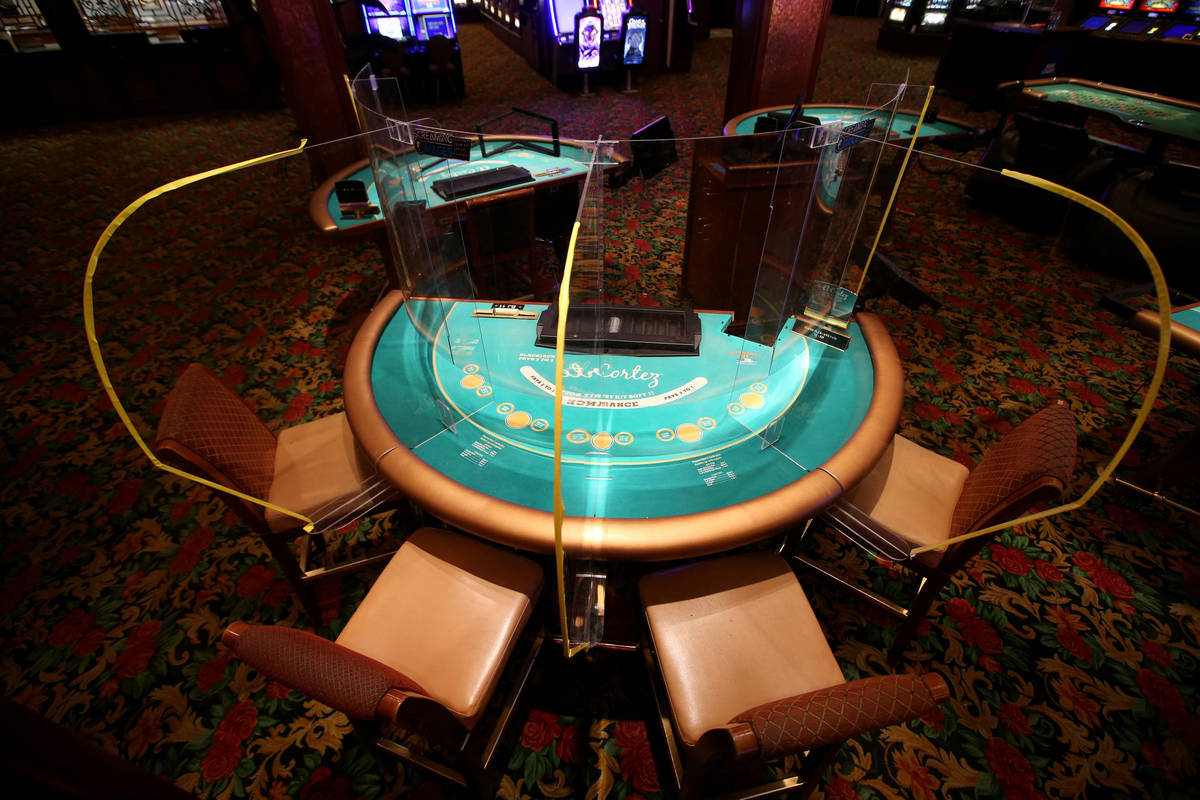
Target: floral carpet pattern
<point>1071,644</point>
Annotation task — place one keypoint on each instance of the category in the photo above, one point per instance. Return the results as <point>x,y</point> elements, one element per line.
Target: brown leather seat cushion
<point>447,611</point>
<point>912,491</point>
<point>318,468</point>
<point>731,634</point>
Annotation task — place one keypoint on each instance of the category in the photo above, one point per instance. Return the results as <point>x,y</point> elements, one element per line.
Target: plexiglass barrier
<point>683,346</point>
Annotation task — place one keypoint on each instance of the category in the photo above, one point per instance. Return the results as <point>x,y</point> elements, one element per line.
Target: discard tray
<point>624,330</point>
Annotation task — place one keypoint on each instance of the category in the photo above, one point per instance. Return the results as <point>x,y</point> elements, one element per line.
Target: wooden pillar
<point>307,46</point>
<point>64,21</point>
<point>776,49</point>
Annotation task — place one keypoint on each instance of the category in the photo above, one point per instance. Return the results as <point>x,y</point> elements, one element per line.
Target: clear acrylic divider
<point>578,325</point>
<point>477,258</point>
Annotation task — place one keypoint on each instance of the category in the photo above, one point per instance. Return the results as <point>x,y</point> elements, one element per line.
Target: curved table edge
<point>729,128</point>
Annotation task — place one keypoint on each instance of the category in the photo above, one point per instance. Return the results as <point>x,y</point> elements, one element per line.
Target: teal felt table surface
<point>644,437</point>
<point>1149,114</point>
<point>1188,317</point>
<point>573,161</point>
<point>902,124</point>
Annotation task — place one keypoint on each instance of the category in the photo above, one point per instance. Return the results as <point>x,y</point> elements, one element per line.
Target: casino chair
<point>315,469</point>
<point>745,676</point>
<point>916,497</point>
<point>441,66</point>
<point>423,653</point>
<point>392,64</point>
<point>500,230</point>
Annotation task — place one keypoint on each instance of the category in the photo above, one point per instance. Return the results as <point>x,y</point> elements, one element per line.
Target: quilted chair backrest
<point>1032,463</point>
<point>207,428</point>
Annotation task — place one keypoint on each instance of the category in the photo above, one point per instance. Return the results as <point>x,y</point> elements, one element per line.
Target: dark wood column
<point>307,46</point>
<point>776,49</point>
<point>65,22</point>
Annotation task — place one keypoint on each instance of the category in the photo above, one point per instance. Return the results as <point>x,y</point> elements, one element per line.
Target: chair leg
<point>382,744</point>
<point>816,764</point>
<point>926,595</point>
<point>793,539</point>
<point>280,548</point>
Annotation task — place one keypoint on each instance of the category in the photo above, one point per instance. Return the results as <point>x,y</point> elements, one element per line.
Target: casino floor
<point>1069,645</point>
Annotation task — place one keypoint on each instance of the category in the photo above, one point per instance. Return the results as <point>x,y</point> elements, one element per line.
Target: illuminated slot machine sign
<point>588,23</point>
<point>563,13</point>
<point>433,18</point>
<point>936,14</point>
<point>390,19</point>
<point>1155,8</point>
<point>633,38</point>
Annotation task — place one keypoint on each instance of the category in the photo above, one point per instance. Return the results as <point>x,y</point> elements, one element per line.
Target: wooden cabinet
<point>746,211</point>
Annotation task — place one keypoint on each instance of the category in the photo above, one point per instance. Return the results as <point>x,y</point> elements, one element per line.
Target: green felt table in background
<point>1157,115</point>
<point>573,158</point>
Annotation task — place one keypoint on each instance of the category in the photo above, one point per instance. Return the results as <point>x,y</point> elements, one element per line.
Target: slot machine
<point>1185,27</point>
<point>653,34</point>
<point>915,25</point>
<point>1110,15</point>
<point>563,13</point>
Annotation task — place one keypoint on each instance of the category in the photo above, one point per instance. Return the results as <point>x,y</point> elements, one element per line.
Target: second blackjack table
<point>547,172</point>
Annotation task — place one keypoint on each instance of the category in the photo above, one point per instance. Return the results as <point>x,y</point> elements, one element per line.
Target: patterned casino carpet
<point>1072,645</point>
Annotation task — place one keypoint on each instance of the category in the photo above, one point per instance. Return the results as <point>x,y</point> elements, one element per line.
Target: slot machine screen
<point>392,27</point>
<point>389,19</point>
<point>587,37</point>
<point>386,8</point>
<point>933,18</point>
<point>1116,5</point>
<point>633,42</point>
<point>1093,23</point>
<point>897,14</point>
<point>436,25</point>
<point>1181,31</point>
<point>1159,6</point>
<point>1193,8</point>
<point>1136,26</point>
<point>430,6</point>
